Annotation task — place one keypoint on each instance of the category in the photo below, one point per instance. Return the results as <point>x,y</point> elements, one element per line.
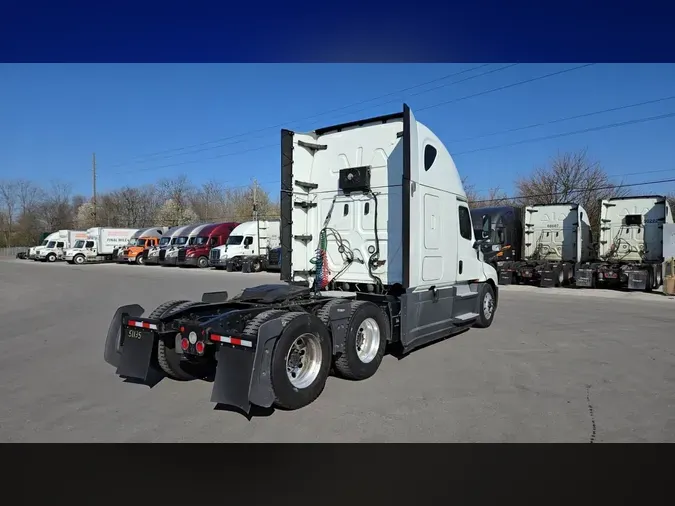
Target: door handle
<point>461,264</point>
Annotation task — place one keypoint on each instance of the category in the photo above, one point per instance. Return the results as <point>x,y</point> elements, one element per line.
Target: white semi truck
<point>557,238</point>
<point>250,242</point>
<point>378,249</point>
<point>56,248</point>
<point>630,247</point>
<point>151,255</point>
<point>99,245</point>
<point>35,250</point>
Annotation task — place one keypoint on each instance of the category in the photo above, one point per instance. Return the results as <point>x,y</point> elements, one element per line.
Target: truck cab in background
<point>33,252</point>
<point>499,232</point>
<point>631,246</point>
<point>196,252</point>
<point>251,242</point>
<point>133,252</point>
<point>151,255</point>
<point>169,256</point>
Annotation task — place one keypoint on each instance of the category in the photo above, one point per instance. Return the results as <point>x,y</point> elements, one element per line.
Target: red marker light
<point>182,329</point>
<point>200,347</point>
<point>184,344</point>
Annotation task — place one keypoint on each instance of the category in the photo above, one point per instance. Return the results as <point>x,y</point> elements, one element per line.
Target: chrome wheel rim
<point>561,277</point>
<point>368,340</point>
<point>303,361</point>
<point>488,305</point>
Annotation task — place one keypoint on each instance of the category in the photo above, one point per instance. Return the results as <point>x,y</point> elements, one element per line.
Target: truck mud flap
<point>637,280</point>
<point>243,376</point>
<point>505,277</point>
<point>113,349</point>
<point>584,278</point>
<point>549,278</point>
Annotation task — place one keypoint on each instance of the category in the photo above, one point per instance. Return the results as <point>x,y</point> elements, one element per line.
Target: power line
<point>500,88</point>
<point>560,120</point>
<point>152,155</point>
<point>565,134</point>
<point>519,83</point>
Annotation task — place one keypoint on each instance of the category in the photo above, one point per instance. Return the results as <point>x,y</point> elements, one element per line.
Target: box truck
<point>250,241</point>
<point>630,248</point>
<point>99,245</point>
<point>55,249</point>
<point>377,249</point>
<point>196,252</point>
<point>33,252</point>
<point>557,238</point>
<point>133,251</point>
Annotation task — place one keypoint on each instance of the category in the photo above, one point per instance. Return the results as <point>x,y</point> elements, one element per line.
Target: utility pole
<point>93,183</point>
<point>255,211</point>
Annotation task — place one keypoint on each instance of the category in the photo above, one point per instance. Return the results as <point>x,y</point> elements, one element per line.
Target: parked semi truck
<point>170,256</point>
<point>151,255</point>
<point>631,244</point>
<point>56,248</point>
<point>362,268</point>
<point>133,251</point>
<point>196,252</point>
<point>250,241</point>
<point>499,232</point>
<point>33,252</point>
<point>556,239</point>
<point>99,245</point>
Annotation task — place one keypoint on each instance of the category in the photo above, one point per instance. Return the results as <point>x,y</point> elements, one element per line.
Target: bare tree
<point>9,201</point>
<point>570,177</point>
<point>56,211</point>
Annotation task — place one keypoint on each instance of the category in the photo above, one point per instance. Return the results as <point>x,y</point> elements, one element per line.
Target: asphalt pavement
<point>557,365</point>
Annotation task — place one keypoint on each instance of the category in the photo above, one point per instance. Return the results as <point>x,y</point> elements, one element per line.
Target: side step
<point>465,318</point>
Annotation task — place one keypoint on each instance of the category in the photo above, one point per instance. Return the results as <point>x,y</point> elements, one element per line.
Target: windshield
<point>44,243</point>
<point>200,241</point>
<point>79,244</point>
<point>233,240</point>
<point>51,244</point>
<point>164,241</point>
<point>134,242</point>
<point>179,241</point>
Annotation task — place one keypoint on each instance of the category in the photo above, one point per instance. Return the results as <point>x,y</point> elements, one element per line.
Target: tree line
<point>28,209</point>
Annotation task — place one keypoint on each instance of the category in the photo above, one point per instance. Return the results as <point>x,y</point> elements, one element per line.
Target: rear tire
<point>650,280</point>
<point>301,361</point>
<point>487,307</point>
<point>365,342</point>
<point>256,266</point>
<point>169,360</point>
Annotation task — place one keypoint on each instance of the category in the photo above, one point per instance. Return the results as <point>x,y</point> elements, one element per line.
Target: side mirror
<point>476,245</point>
<point>245,246</point>
<point>484,234</point>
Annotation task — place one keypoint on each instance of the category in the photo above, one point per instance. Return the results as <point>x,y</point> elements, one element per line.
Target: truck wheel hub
<point>303,361</point>
<point>367,340</point>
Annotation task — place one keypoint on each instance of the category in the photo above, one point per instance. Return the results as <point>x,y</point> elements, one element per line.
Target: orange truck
<point>132,253</point>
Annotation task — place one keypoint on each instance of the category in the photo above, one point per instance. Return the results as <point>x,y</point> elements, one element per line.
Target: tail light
<point>184,344</point>
<point>200,346</point>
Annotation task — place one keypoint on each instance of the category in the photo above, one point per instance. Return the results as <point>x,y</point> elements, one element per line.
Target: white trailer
<point>99,245</point>
<point>557,238</point>
<point>631,250</point>
<point>249,243</point>
<point>56,248</point>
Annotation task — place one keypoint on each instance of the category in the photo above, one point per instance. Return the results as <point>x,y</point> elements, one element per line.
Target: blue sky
<point>54,116</point>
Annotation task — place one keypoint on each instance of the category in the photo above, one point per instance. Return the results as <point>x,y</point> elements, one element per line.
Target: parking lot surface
<point>557,365</point>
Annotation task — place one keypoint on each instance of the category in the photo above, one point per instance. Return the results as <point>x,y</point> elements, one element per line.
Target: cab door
<point>469,267</point>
